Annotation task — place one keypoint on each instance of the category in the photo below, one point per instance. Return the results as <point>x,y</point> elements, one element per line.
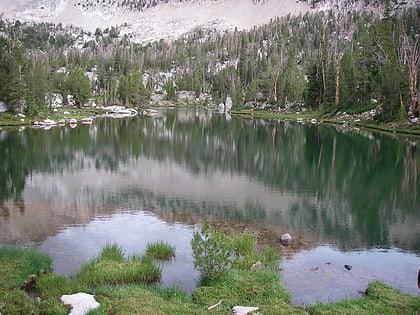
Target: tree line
<point>348,61</point>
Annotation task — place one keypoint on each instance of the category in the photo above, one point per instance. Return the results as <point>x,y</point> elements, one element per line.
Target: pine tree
<point>313,92</point>
<point>79,86</point>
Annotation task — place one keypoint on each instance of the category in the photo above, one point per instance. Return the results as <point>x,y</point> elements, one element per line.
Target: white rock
<point>72,121</point>
<point>3,107</point>
<point>257,266</point>
<point>66,113</point>
<point>48,122</point>
<point>87,120</point>
<point>81,303</point>
<point>228,103</point>
<point>21,115</point>
<point>243,310</point>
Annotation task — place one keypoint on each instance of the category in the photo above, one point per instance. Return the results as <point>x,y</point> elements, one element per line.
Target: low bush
<point>211,252</point>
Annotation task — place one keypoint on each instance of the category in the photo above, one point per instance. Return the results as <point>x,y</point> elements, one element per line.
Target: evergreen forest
<point>329,62</point>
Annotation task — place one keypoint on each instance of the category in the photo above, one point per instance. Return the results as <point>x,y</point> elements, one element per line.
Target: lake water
<point>346,196</point>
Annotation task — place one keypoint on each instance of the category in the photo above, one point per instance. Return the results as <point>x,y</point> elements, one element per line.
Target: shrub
<point>211,252</point>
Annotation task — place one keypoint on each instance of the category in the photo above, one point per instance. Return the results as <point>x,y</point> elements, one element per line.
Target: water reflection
<point>351,189</point>
<point>75,245</point>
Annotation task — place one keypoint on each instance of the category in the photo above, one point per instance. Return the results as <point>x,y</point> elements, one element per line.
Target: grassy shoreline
<point>128,286</point>
<point>10,120</point>
<point>388,128</point>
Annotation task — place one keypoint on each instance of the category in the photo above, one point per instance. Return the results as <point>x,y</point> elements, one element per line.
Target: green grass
<point>160,251</point>
<point>8,119</point>
<point>121,289</point>
<point>380,299</point>
<point>110,268</point>
<point>18,266</point>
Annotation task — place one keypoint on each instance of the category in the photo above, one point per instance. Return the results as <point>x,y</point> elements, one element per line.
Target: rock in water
<point>286,239</point>
<point>243,310</point>
<point>81,303</point>
<point>348,267</point>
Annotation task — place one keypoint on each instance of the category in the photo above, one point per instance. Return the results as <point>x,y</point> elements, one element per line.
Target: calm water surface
<point>348,197</point>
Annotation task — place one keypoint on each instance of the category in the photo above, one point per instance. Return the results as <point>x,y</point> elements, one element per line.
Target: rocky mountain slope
<point>149,20</point>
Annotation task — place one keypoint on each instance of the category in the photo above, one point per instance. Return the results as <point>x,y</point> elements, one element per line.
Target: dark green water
<point>65,190</point>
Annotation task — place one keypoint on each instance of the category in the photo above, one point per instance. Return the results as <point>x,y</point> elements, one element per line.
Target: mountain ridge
<point>151,20</point>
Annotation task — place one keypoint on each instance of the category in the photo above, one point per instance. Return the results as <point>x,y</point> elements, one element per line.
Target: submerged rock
<point>81,303</point>
<point>286,239</point>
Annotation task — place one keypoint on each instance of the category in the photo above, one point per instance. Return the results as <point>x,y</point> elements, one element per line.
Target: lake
<point>348,197</point>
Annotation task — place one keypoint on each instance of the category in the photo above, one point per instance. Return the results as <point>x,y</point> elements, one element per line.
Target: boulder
<point>73,121</point>
<point>221,107</point>
<point>48,122</point>
<point>348,267</point>
<point>243,310</point>
<point>87,120</point>
<point>228,103</point>
<point>3,107</point>
<point>81,303</point>
<point>286,239</point>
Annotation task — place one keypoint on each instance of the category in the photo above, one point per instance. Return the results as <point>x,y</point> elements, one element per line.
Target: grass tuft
<point>104,271</point>
<point>112,252</point>
<point>160,251</point>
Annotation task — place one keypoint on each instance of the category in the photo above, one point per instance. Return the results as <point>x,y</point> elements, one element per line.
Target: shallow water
<point>132,230</point>
<point>319,275</point>
<point>346,196</point>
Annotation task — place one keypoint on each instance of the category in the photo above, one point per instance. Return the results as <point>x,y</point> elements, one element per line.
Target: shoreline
<point>63,115</point>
